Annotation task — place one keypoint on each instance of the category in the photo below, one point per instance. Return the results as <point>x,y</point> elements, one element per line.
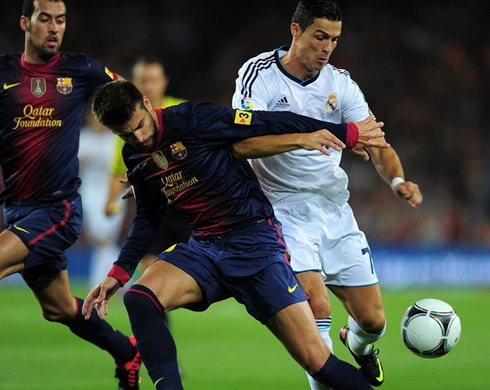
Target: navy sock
<point>154,340</point>
<point>100,333</point>
<point>341,375</point>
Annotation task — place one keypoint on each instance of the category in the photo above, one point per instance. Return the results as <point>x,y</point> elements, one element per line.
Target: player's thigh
<point>295,327</point>
<point>173,287</point>
<point>12,254</point>
<point>364,304</point>
<point>55,298</point>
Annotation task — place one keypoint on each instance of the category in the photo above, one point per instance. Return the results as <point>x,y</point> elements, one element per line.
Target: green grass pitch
<point>225,349</point>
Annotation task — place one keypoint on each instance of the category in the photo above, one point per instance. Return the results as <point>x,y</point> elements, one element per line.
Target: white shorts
<point>323,236</point>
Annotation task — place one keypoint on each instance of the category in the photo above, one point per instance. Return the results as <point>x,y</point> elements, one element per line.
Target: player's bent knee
<point>373,325</point>
<point>130,300</point>
<point>314,363</point>
<point>320,306</point>
<point>54,315</point>
<point>139,300</point>
<point>312,355</point>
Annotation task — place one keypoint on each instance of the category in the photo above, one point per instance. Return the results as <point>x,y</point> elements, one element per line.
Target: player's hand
<point>370,134</point>
<point>99,296</point>
<point>320,140</point>
<point>360,152</point>
<point>410,192</point>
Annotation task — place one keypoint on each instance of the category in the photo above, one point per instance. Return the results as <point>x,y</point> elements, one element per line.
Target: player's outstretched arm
<point>99,296</point>
<point>369,134</point>
<point>269,145</point>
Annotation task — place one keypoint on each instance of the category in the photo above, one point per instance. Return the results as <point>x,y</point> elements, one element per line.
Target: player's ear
<point>24,23</point>
<point>147,103</point>
<point>295,30</point>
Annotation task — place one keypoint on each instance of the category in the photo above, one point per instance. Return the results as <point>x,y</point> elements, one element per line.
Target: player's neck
<point>31,57</point>
<point>34,56</point>
<point>291,63</point>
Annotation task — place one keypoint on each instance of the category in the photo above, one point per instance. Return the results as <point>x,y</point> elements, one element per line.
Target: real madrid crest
<point>331,103</point>
<point>160,160</point>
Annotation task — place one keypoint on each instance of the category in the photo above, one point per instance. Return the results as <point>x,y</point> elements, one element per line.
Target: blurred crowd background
<point>424,67</point>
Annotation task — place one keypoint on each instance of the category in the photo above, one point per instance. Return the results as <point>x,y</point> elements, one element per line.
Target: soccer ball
<point>430,328</point>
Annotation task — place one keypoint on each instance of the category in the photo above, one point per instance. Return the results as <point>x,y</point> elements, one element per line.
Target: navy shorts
<point>249,264</point>
<point>48,230</point>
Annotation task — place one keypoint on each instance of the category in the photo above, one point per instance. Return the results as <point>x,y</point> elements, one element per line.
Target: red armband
<point>352,135</point>
<point>120,274</point>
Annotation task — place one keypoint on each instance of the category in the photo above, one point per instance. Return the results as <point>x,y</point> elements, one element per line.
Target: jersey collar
<point>39,67</point>
<point>277,55</point>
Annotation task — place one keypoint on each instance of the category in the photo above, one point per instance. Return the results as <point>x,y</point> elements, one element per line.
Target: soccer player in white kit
<point>309,190</point>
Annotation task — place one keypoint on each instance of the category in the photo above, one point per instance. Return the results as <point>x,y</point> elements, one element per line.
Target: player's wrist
<point>352,137</point>
<point>120,274</point>
<point>394,183</point>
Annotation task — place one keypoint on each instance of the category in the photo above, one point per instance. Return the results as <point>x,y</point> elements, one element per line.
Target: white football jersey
<point>331,95</point>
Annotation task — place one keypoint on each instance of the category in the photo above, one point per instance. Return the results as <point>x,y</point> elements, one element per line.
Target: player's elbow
<point>240,150</point>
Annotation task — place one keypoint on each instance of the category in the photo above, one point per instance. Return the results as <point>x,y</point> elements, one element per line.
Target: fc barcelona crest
<point>179,152</point>
<point>38,86</point>
<point>64,85</point>
<point>160,160</point>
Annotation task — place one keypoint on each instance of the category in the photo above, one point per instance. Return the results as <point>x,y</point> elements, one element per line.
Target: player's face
<point>151,81</point>
<point>315,45</point>
<point>44,30</point>
<point>141,130</point>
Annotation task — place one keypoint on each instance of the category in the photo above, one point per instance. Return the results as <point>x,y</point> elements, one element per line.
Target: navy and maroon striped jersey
<point>41,110</point>
<point>193,166</point>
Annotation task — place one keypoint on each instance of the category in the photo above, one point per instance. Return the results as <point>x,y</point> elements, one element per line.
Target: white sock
<point>324,325</point>
<point>359,339</point>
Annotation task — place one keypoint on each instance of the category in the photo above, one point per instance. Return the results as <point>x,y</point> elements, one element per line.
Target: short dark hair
<point>115,103</point>
<point>308,10</point>
<point>28,7</point>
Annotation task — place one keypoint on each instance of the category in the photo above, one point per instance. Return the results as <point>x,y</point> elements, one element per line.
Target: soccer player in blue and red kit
<point>184,154</point>
<point>43,92</point>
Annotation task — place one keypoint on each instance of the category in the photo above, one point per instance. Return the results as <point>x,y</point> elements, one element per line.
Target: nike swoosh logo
<point>291,289</point>
<point>22,230</point>
<point>8,86</point>
<point>142,165</point>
